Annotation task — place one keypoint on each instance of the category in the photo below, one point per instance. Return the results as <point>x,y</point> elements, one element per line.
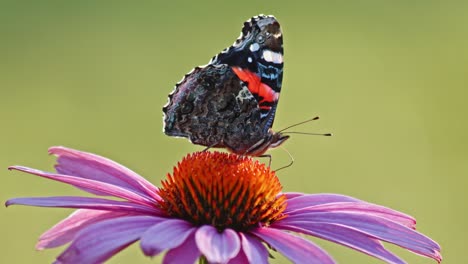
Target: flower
<point>216,207</point>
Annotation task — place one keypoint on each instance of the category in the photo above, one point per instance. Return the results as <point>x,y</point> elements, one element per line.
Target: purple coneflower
<point>215,208</point>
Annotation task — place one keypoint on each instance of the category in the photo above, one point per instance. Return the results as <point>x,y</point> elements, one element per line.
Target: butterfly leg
<point>290,163</point>
<point>266,156</point>
<point>210,146</point>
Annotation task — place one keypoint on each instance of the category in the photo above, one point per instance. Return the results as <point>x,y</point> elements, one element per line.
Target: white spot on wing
<point>271,56</point>
<point>244,94</point>
<point>249,59</point>
<point>254,47</point>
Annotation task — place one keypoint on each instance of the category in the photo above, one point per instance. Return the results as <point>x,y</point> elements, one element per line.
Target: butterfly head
<point>273,140</point>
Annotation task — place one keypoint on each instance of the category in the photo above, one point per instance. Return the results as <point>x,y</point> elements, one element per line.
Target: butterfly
<point>231,102</point>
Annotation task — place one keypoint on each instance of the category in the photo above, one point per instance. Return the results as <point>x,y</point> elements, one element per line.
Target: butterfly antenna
<point>291,160</point>
<point>304,133</point>
<point>307,133</point>
<point>300,123</point>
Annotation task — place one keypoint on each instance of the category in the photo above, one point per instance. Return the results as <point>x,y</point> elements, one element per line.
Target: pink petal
<point>83,203</point>
<point>100,241</point>
<point>307,200</point>
<point>290,195</point>
<point>345,236</point>
<point>360,207</point>
<point>186,253</point>
<point>241,258</point>
<point>253,249</point>
<point>215,246</point>
<point>165,235</point>
<point>296,249</point>
<point>373,226</point>
<point>90,184</point>
<point>90,166</point>
<point>65,230</point>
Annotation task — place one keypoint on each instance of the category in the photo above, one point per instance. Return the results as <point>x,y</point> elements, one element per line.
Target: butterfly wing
<point>212,107</point>
<point>257,59</point>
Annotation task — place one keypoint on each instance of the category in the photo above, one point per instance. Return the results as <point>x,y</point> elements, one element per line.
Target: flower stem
<point>202,260</point>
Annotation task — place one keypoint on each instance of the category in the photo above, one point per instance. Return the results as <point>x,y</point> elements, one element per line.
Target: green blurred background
<point>388,78</point>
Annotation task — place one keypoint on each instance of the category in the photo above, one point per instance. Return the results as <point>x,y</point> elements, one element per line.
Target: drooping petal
<point>165,235</point>
<point>186,253</point>
<point>295,248</point>
<point>347,237</point>
<point>100,241</point>
<point>90,184</point>
<point>215,246</point>
<point>64,231</point>
<point>373,226</point>
<point>361,208</point>
<point>90,166</point>
<point>83,203</point>
<point>253,249</point>
<point>307,200</point>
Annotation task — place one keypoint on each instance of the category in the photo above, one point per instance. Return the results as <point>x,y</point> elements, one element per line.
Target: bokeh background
<point>388,78</point>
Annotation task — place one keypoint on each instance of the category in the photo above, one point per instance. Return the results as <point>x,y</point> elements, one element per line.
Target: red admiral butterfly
<point>231,102</point>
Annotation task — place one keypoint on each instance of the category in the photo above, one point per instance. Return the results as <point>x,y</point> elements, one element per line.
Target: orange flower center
<point>222,190</point>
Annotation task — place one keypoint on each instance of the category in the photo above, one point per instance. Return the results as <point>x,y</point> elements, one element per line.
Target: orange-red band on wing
<point>255,85</point>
